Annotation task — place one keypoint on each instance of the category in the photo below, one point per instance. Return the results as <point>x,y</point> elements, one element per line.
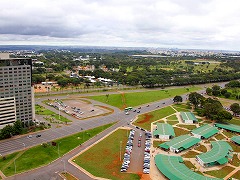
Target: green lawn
<point>44,154</point>
<point>236,175</point>
<point>236,148</point>
<point>190,154</point>
<point>181,107</point>
<point>189,127</point>
<point>103,159</point>
<point>189,165</point>
<point>43,111</point>
<point>156,143</point>
<point>221,173</point>
<point>180,131</point>
<point>228,133</point>
<point>219,136</point>
<point>235,121</point>
<point>145,120</point>
<point>172,118</point>
<point>138,98</point>
<point>235,161</point>
<point>201,148</point>
<point>172,122</point>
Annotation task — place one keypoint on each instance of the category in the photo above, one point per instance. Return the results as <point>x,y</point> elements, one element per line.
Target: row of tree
<point>11,130</point>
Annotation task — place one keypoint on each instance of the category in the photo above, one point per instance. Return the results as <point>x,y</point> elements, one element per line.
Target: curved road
<point>51,171</point>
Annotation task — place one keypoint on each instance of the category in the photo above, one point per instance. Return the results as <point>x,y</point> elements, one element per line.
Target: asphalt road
<point>51,171</point>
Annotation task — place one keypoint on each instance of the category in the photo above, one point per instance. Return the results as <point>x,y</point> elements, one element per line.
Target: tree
<point>7,132</point>
<point>195,99</point>
<point>235,108</point>
<point>227,94</point>
<point>223,92</point>
<point>209,91</point>
<point>17,127</point>
<point>211,108</point>
<point>223,116</point>
<point>177,99</point>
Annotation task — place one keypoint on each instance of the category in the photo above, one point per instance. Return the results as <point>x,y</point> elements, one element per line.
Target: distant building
<point>164,131</point>
<point>16,92</point>
<point>204,132</point>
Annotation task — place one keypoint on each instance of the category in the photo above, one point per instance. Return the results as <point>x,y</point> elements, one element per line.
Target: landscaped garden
<point>51,115</point>
<point>104,160</point>
<point>221,173</point>
<point>44,154</point>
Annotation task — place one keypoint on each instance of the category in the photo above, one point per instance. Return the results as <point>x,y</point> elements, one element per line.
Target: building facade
<point>16,93</point>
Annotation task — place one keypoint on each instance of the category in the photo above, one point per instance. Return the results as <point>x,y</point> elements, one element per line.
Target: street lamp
<point>120,150</point>
<point>24,145</point>
<point>59,113</point>
<point>15,168</point>
<point>64,166</point>
<point>58,149</point>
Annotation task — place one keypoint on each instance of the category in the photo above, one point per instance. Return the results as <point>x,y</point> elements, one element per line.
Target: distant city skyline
<point>187,24</point>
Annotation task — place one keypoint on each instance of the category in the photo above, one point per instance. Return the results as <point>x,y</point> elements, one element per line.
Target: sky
<point>186,24</point>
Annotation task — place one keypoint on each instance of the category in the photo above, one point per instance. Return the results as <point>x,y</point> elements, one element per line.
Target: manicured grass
<point>201,148</point>
<point>189,165</point>
<point>138,98</point>
<point>103,159</point>
<point>145,120</point>
<point>172,122</point>
<point>219,136</point>
<point>235,161</point>
<point>189,127</point>
<point>180,131</point>
<point>43,111</point>
<point>235,121</point>
<point>181,107</point>
<point>236,148</point>
<point>228,133</point>
<point>190,154</point>
<point>156,143</point>
<point>68,176</point>
<point>44,154</point>
<point>172,118</point>
<point>236,175</point>
<point>221,173</point>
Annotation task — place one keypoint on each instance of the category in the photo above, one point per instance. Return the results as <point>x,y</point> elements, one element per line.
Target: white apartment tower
<point>16,94</point>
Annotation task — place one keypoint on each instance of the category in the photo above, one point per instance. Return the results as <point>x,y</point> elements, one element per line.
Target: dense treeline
<point>130,70</point>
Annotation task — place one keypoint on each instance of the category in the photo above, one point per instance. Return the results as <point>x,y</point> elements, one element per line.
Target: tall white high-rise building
<point>16,92</point>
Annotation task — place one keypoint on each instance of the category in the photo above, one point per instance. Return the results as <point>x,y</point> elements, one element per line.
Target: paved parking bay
<point>137,154</point>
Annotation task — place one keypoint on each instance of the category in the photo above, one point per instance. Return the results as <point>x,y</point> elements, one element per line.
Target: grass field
<point>189,165</point>
<point>201,148</point>
<point>44,154</point>
<point>172,118</point>
<point>43,111</point>
<point>189,127</point>
<point>219,137</point>
<point>172,122</point>
<point>221,173</point>
<point>180,131</point>
<point>190,154</point>
<point>103,159</point>
<point>139,98</point>
<point>235,161</point>
<point>181,107</point>
<point>236,175</point>
<point>145,120</point>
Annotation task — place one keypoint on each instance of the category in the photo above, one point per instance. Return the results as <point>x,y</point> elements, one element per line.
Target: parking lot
<point>137,152</point>
<point>79,109</point>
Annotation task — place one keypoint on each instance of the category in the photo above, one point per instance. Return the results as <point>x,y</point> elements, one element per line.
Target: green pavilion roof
<point>164,129</point>
<point>173,168</point>
<point>231,127</point>
<point>206,131</point>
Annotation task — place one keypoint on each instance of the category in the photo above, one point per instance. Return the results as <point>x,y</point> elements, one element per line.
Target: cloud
<point>208,24</point>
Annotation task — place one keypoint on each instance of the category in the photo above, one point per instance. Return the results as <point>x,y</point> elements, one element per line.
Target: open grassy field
<point>190,154</point>
<point>236,175</point>
<point>145,120</point>
<point>122,100</point>
<point>43,154</point>
<point>180,131</point>
<point>172,118</point>
<point>221,173</point>
<point>43,111</point>
<point>103,159</point>
<point>182,107</point>
<point>189,127</point>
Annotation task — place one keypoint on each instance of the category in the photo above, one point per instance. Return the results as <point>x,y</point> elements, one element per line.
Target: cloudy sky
<point>204,24</point>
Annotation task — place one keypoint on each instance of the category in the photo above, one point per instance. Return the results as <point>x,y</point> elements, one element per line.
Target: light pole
<point>24,145</point>
<point>15,168</point>
<point>59,113</point>
<point>120,150</point>
<point>58,149</point>
<point>64,166</point>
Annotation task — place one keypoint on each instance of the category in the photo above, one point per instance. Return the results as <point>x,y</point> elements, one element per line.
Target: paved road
<point>51,171</point>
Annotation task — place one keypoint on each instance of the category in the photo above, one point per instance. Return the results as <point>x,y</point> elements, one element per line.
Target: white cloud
<point>211,24</point>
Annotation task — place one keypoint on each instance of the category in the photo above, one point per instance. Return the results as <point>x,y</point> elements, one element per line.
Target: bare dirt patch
<point>146,118</point>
